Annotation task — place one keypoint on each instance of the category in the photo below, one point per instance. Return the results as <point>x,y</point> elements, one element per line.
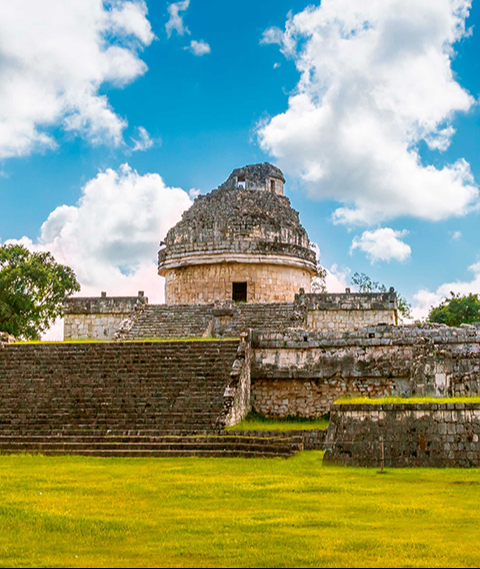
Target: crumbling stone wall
<point>407,435</point>
<point>313,397</point>
<point>257,177</point>
<point>203,284</point>
<point>97,318</point>
<point>302,373</point>
<point>349,311</point>
<point>237,394</point>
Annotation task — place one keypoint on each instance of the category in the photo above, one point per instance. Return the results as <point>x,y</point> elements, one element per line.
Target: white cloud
<point>383,244</point>
<point>175,22</point>
<point>110,238</point>
<point>55,55</point>
<point>337,279</point>
<point>376,80</point>
<point>425,299</point>
<point>456,235</point>
<point>423,302</point>
<point>144,141</point>
<point>199,48</point>
<point>272,35</point>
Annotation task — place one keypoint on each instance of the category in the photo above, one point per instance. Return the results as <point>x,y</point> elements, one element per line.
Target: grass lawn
<point>86,512</point>
<point>404,400</point>
<point>256,422</point>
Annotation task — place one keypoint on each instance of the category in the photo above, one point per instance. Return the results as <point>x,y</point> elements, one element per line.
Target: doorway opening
<point>239,292</point>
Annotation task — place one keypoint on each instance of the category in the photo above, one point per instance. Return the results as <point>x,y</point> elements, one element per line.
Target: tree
<point>33,287</point>
<point>365,284</point>
<point>456,310</point>
<point>318,283</point>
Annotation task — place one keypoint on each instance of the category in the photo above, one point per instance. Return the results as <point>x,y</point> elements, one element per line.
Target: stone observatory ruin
<point>242,242</point>
<point>239,259</point>
<point>238,269</point>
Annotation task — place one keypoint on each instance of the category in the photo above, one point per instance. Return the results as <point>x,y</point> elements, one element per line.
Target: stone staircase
<point>189,321</point>
<point>163,387</point>
<point>163,321</point>
<point>126,399</point>
<point>271,316</point>
<point>110,445</point>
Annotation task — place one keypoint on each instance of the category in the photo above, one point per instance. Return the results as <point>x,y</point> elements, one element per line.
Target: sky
<point>115,114</point>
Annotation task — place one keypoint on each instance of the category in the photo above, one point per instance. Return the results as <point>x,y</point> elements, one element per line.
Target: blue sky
<point>203,114</point>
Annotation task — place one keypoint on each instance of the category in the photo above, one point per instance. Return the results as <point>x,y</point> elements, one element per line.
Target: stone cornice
<point>188,259</point>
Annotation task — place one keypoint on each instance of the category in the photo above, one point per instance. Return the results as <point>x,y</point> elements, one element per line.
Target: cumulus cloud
<point>110,238</point>
<point>337,279</point>
<point>383,244</point>
<point>175,22</point>
<point>199,48</point>
<point>424,299</point>
<point>143,142</point>
<point>375,81</point>
<point>55,55</point>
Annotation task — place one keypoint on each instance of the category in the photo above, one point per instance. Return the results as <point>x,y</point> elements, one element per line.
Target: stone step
<point>145,446</point>
<point>74,448</point>
<point>143,438</point>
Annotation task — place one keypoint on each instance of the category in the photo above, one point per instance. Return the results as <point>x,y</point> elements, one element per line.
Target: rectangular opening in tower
<point>239,293</point>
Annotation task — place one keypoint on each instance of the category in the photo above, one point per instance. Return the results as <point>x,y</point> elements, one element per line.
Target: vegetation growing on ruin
<point>404,400</point>
<point>365,284</point>
<point>256,422</point>
<point>456,310</point>
<point>84,512</point>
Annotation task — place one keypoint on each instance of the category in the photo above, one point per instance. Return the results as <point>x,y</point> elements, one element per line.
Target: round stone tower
<point>241,242</point>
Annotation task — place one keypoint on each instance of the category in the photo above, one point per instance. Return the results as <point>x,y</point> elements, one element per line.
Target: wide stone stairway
<point>122,399</point>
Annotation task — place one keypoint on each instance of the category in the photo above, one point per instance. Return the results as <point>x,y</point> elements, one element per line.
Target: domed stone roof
<point>244,220</point>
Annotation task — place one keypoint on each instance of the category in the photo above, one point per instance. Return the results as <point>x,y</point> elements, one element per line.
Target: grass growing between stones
<point>404,400</point>
<point>257,422</point>
<point>85,512</point>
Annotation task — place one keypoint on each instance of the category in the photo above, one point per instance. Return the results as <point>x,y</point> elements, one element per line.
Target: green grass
<point>256,422</point>
<point>404,400</point>
<point>85,512</point>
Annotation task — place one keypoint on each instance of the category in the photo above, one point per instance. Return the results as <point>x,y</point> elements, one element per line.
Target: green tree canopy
<point>365,284</point>
<point>33,287</point>
<point>456,310</point>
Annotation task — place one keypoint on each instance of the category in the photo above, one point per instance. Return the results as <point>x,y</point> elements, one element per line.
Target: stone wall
<point>342,320</point>
<point>154,387</point>
<point>407,435</point>
<point>266,283</point>
<point>348,311</point>
<point>92,326</point>
<point>302,372</point>
<point>97,318</point>
<point>312,397</point>
<point>237,395</point>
